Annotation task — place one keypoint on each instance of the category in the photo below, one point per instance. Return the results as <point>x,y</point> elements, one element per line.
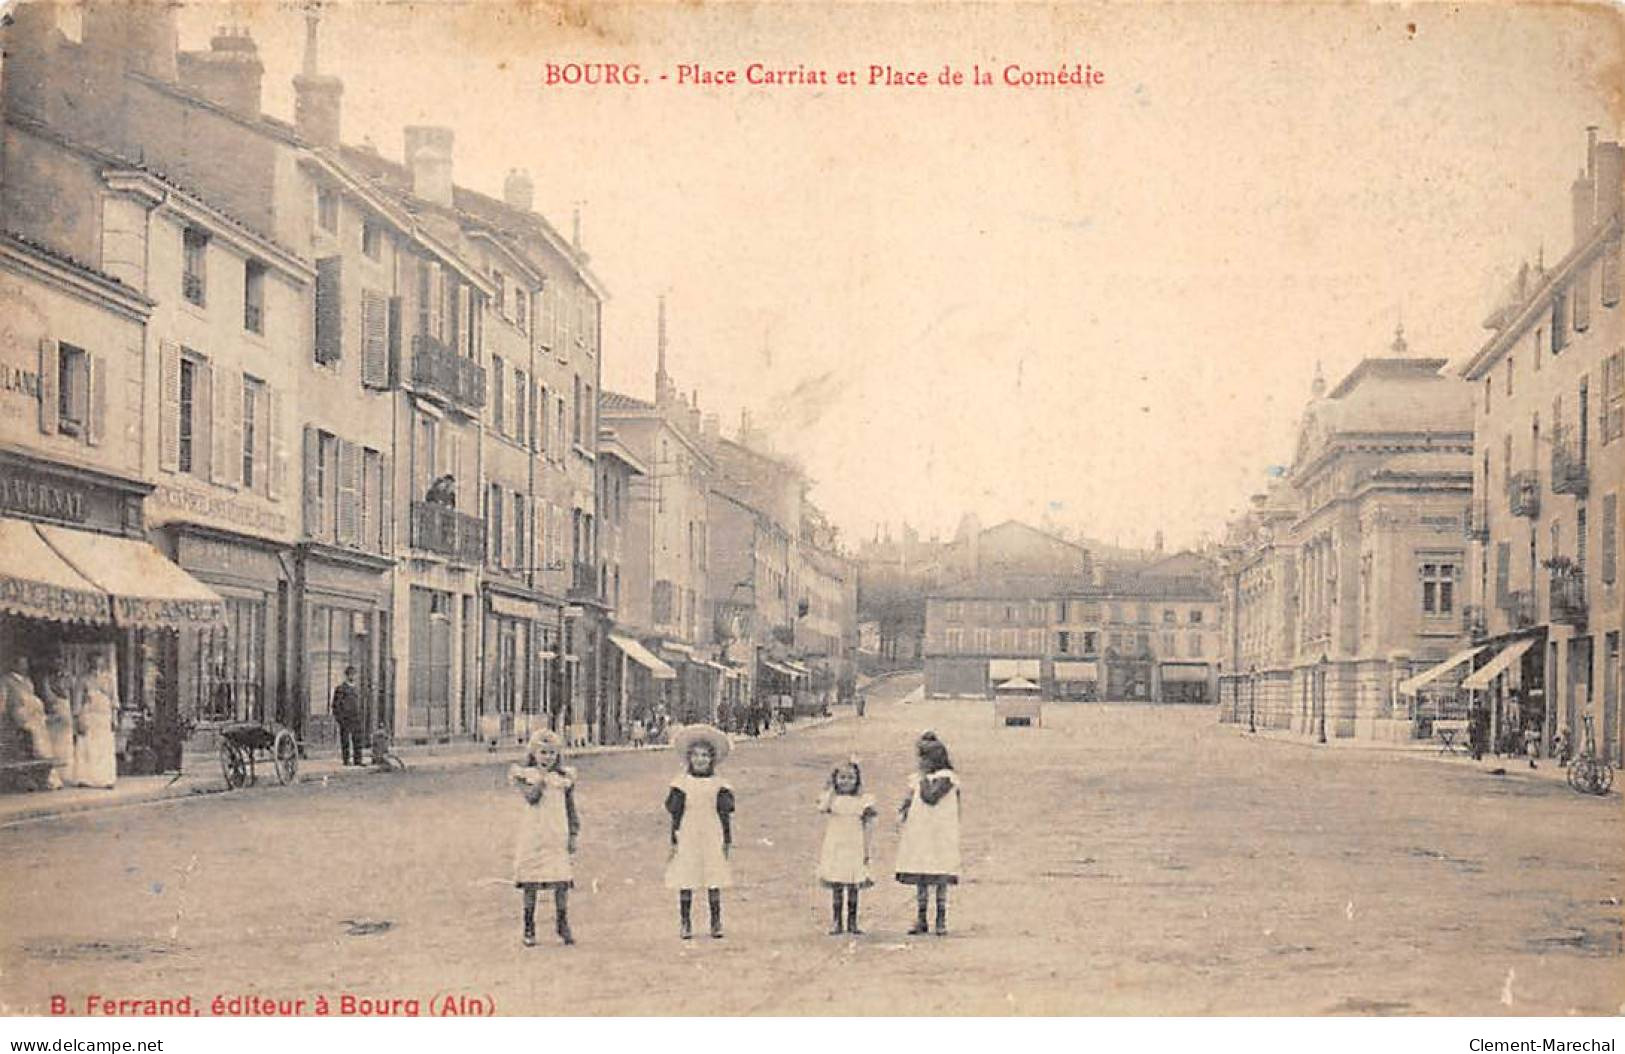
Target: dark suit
<point>347,712</point>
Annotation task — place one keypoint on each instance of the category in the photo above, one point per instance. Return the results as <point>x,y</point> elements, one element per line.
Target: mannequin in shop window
<point>57,694</point>
<point>94,755</point>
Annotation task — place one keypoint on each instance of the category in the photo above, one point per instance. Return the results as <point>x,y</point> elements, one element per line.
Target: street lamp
<point>1252,699</point>
<point>1324,662</point>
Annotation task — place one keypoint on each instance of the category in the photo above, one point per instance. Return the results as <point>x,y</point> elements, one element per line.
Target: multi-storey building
<point>1158,628</point>
<point>1548,462</point>
<point>1260,583</point>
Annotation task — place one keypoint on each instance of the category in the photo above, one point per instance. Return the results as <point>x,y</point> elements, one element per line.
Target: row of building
<point>1445,543</point>
<point>276,405</point>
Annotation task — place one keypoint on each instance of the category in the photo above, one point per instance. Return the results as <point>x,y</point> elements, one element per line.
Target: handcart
<point>243,745</point>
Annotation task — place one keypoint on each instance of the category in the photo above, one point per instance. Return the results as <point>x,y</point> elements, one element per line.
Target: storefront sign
<point>15,381</point>
<point>33,495</point>
<point>219,507</point>
<point>207,556</point>
<point>148,611</point>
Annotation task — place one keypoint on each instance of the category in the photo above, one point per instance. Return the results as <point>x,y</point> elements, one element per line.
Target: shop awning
<point>148,589</point>
<point>1005,669</point>
<point>1412,685</point>
<point>643,657</point>
<point>1480,678</point>
<point>1017,684</point>
<point>38,583</point>
<point>1076,671</point>
<point>779,668</point>
<point>1184,673</point>
<point>677,648</point>
<point>796,668</point>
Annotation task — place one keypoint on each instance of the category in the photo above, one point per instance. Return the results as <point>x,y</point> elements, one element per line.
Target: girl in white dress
<point>548,826</point>
<point>928,851</point>
<point>95,751</point>
<point>701,806</point>
<point>843,863</point>
<point>57,694</point>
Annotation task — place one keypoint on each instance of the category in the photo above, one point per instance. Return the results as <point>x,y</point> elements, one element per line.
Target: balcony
<point>1478,520</point>
<point>1519,605</point>
<point>1569,471</point>
<point>442,372</point>
<point>442,529</point>
<point>1475,622</point>
<point>1523,494</point>
<point>1568,593</point>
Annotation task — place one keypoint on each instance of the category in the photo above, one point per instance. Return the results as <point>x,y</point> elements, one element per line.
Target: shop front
<point>643,677</point>
<point>341,609</point>
<point>520,657</point>
<point>1508,694</point>
<point>1186,682</point>
<point>1077,681</point>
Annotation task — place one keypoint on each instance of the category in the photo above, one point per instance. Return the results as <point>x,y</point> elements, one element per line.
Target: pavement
<point>1118,860</point>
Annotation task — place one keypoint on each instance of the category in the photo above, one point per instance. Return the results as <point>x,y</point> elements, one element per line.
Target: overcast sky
<point>1106,302</point>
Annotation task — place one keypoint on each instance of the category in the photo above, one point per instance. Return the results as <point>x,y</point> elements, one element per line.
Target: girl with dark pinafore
<point>928,851</point>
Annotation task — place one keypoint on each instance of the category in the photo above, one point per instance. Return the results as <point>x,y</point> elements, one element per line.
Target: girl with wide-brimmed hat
<point>701,806</point>
<point>547,831</point>
<point>928,850</point>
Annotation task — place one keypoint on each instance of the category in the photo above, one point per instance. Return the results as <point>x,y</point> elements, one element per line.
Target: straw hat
<point>544,737</point>
<point>686,738</point>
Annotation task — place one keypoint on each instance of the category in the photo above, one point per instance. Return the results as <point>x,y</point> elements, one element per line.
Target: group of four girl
<point>701,807</point>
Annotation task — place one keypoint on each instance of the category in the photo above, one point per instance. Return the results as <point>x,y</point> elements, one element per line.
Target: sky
<point>1104,303</point>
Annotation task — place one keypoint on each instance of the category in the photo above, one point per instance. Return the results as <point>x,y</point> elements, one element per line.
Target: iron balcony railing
<point>1568,594</point>
<point>1523,494</point>
<point>1478,520</point>
<point>1519,605</point>
<point>439,369</point>
<point>443,530</point>
<point>1569,471</point>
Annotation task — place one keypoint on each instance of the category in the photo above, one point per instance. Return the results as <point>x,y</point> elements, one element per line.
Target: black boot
<point>922,895</point>
<point>685,913</point>
<point>530,918</point>
<point>714,900</point>
<point>837,911</point>
<point>561,915</point>
<point>852,911</point>
<point>942,910</point>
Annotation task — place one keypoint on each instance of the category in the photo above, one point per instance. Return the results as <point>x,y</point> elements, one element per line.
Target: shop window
<point>229,665</point>
<point>335,637</point>
<point>73,389</point>
<point>195,247</point>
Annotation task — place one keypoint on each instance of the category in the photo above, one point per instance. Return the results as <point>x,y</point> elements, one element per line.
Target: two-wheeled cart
<point>245,744</point>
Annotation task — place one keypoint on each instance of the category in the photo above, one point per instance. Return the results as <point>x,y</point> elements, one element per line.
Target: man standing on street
<point>347,712</point>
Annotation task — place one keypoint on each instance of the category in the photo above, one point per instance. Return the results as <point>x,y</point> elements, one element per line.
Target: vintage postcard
<point>839,510</point>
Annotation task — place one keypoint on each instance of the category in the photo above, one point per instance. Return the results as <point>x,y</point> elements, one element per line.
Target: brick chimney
<point>428,157</point>
<point>518,190</point>
<point>229,74</point>
<point>316,98</point>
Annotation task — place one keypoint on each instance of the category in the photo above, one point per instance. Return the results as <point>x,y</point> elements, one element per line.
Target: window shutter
<point>386,505</point>
<point>313,490</point>
<point>169,406</point>
<point>226,465</point>
<point>435,293</point>
<point>393,367</point>
<point>454,463</point>
<point>374,339</point>
<point>1610,537</point>
<point>536,557</point>
<point>48,394</point>
<point>463,324</point>
<point>276,441</point>
<point>349,493</point>
<point>499,402</point>
<point>203,429</point>
<point>1503,561</point>
<point>329,309</point>
<point>1610,275</point>
<point>96,419</point>
<point>1582,299</point>
<point>264,445</point>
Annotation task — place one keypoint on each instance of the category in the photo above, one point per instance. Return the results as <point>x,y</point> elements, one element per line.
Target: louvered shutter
<point>1610,538</point>
<point>386,505</point>
<point>169,406</point>
<point>464,307</point>
<point>374,339</point>
<point>203,430</point>
<point>1582,299</point>
<point>349,493</point>
<point>96,419</point>
<point>264,464</point>
<point>435,293</point>
<point>276,441</point>
<point>392,369</point>
<point>329,309</point>
<point>49,376</point>
<point>313,487</point>
<point>1503,563</point>
<point>226,466</point>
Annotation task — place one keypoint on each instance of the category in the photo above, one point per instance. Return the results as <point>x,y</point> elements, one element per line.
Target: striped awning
<point>1412,685</point>
<point>35,581</point>
<point>643,657</point>
<point>147,588</point>
<point>1480,678</point>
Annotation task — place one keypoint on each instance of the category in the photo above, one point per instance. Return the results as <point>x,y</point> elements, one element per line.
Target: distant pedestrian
<point>1531,744</point>
<point>547,831</point>
<point>928,851</point>
<point>640,734</point>
<point>843,862</point>
<point>863,703</point>
<point>347,712</point>
<point>701,805</point>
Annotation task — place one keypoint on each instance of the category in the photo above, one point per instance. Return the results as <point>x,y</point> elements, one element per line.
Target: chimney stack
<point>518,191</point>
<point>428,157</point>
<point>229,74</point>
<point>316,97</point>
<point>1609,159</point>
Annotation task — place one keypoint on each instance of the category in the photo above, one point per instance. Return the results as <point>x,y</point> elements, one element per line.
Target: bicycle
<point>1588,773</point>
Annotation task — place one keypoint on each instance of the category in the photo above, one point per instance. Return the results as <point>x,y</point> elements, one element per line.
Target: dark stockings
<point>561,913</point>
<point>922,900</point>
<point>849,894</point>
<point>685,911</point>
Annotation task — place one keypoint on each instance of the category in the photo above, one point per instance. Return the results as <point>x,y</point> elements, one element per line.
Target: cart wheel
<point>285,756</point>
<point>233,766</point>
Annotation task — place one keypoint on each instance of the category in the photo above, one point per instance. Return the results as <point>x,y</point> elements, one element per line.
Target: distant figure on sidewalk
<point>347,712</point>
<point>639,733</point>
<point>862,703</point>
<point>928,852</point>
<point>548,828</point>
<point>701,806</point>
<point>843,862</point>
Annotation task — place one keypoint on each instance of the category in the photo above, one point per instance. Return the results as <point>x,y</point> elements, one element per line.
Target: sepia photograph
<point>916,510</point>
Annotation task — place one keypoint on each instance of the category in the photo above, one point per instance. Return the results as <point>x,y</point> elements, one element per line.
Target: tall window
<point>519,549</point>
<point>494,510</point>
<point>327,483</point>
<point>575,430</point>
<point>73,389</point>
<point>188,413</point>
<point>1438,589</point>
<point>327,209</point>
<point>228,678</point>
<point>253,397</point>
<point>254,296</point>
<point>520,413</point>
<point>372,239</point>
<point>195,246</point>
<point>498,388</point>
